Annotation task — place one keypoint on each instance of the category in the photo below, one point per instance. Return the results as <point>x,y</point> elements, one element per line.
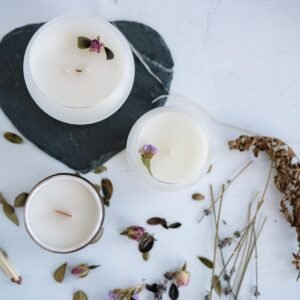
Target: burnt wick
<point>78,70</point>
<point>63,213</point>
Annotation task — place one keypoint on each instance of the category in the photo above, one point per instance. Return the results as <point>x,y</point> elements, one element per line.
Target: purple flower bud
<point>95,45</point>
<point>148,150</point>
<point>134,232</point>
<point>80,270</point>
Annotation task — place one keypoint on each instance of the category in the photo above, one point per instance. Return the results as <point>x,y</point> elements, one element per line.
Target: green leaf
<point>21,200</point>
<point>80,295</point>
<point>60,272</point>
<point>198,197</point>
<point>207,262</point>
<point>83,42</point>
<point>109,54</point>
<point>100,169</point>
<point>9,211</point>
<point>217,285</point>
<point>13,138</point>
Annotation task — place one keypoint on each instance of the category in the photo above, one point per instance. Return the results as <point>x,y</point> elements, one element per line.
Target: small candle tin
<point>34,222</point>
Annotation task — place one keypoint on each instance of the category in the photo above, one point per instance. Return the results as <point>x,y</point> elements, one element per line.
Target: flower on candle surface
<point>182,277</point>
<point>95,45</point>
<point>134,232</point>
<point>147,152</point>
<point>83,270</point>
<point>125,294</point>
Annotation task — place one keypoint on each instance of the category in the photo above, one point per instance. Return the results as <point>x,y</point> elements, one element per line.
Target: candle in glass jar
<point>181,147</point>
<point>74,84</point>
<point>63,213</point>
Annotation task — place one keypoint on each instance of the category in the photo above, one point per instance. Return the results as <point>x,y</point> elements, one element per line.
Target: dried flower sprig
<point>145,240</point>
<point>147,152</point>
<point>94,45</point>
<point>287,179</point>
<point>131,293</point>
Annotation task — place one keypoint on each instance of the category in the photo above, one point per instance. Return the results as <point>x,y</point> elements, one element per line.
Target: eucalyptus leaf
<point>83,42</point>
<point>109,54</point>
<point>217,285</point>
<point>13,138</point>
<point>21,200</point>
<point>198,197</point>
<point>2,199</point>
<point>173,292</point>
<point>207,262</point>
<point>80,295</point>
<point>100,169</point>
<point>9,211</point>
<point>60,272</point>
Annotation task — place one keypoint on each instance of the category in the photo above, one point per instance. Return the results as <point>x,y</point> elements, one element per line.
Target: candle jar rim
<point>96,232</point>
<point>139,170</point>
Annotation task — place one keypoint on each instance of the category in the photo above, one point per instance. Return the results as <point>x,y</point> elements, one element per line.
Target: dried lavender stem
<point>216,235</point>
<point>256,265</point>
<point>229,182</point>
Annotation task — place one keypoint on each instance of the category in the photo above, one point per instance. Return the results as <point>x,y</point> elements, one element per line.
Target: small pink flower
<point>82,270</point>
<point>134,232</point>
<point>95,45</point>
<point>182,277</point>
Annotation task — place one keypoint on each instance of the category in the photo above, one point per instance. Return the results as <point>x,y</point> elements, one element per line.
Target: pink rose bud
<point>182,277</point>
<point>134,232</point>
<point>81,270</point>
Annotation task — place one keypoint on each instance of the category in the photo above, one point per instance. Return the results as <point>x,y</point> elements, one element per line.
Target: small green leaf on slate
<point>80,295</point>
<point>217,285</point>
<point>107,190</point>
<point>174,292</point>
<point>83,42</point>
<point>60,272</point>
<point>9,211</point>
<point>13,138</point>
<point>97,187</point>
<point>174,225</point>
<point>21,200</point>
<point>207,262</point>
<point>109,54</point>
<point>198,197</point>
<point>100,169</point>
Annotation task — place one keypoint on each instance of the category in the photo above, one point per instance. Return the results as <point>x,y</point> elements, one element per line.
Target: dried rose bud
<point>95,45</point>
<point>82,270</point>
<point>147,152</point>
<point>182,277</point>
<point>134,232</point>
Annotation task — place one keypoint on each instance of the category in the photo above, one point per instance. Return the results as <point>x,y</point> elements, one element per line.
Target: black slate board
<point>83,147</point>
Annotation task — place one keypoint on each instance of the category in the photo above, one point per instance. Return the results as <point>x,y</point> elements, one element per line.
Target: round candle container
<point>74,83</point>
<point>180,145</point>
<point>64,213</point>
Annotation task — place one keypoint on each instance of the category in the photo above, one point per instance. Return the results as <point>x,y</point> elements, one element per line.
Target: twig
<point>256,292</point>
<point>229,182</point>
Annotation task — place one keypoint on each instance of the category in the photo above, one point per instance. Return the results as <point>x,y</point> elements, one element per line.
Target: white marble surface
<point>238,60</point>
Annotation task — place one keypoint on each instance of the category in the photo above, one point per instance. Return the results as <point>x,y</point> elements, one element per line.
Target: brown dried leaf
<point>21,200</point>
<point>100,169</point>
<point>13,138</point>
<point>198,197</point>
<point>60,272</point>
<point>80,295</point>
<point>217,285</point>
<point>207,262</point>
<point>9,211</point>
<point>157,221</point>
<point>107,190</point>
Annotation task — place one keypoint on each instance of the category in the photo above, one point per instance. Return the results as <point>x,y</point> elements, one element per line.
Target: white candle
<point>183,148</point>
<point>76,85</point>
<point>63,213</point>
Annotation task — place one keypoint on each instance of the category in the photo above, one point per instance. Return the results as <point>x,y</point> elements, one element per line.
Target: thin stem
<point>256,293</point>
<point>217,233</point>
<point>229,182</point>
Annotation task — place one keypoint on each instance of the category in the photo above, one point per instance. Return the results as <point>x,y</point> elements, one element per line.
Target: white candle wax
<point>63,78</point>
<point>182,143</point>
<point>63,213</point>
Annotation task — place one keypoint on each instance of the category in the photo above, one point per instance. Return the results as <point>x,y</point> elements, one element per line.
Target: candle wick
<point>63,213</point>
<point>78,70</point>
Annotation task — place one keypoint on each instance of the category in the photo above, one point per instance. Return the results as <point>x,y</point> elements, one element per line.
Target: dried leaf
<point>217,285</point>
<point>60,272</point>
<point>173,292</point>
<point>157,221</point>
<point>92,267</point>
<point>83,42</point>
<point>146,256</point>
<point>146,243</point>
<point>198,197</point>
<point>2,199</point>
<point>209,169</point>
<point>174,225</point>
<point>80,295</point>
<point>13,138</point>
<point>21,200</point>
<point>107,190</point>
<point>207,262</point>
<point>9,211</point>
<point>109,54</point>
<point>100,169</point>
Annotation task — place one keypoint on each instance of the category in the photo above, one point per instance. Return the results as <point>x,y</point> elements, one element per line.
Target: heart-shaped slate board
<point>83,147</point>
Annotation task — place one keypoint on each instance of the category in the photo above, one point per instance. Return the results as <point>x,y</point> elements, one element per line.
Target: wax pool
<point>56,231</point>
<point>182,146</point>
<point>71,76</point>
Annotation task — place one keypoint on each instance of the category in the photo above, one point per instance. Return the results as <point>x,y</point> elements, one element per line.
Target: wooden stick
<point>8,269</point>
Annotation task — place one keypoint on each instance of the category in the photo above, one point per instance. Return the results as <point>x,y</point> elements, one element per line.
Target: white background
<point>237,60</point>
